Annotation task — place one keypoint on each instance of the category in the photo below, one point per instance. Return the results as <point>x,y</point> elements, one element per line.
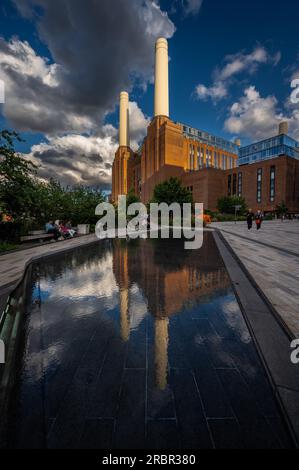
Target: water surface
<point>139,344</point>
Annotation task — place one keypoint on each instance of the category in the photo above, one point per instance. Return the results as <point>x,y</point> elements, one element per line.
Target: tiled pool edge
<point>271,338</point>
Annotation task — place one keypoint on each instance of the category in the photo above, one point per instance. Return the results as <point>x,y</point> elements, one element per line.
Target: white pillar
<point>161,78</point>
<point>124,120</point>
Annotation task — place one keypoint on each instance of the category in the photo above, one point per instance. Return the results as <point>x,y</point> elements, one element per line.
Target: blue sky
<point>64,64</point>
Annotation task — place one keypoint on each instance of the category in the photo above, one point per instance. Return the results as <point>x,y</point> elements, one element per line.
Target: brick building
<point>265,173</point>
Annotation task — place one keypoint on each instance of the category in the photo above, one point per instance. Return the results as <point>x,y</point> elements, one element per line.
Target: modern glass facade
<point>269,148</point>
<point>209,139</point>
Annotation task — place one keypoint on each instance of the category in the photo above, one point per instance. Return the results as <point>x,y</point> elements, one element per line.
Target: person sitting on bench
<point>64,230</point>
<point>51,228</point>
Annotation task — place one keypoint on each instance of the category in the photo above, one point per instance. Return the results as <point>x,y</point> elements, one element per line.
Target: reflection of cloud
<point>235,319</point>
<point>138,307</point>
<point>93,280</point>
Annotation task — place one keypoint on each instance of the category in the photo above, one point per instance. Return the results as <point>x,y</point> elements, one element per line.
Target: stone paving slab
<point>13,265</point>
<point>271,339</point>
<point>274,271</point>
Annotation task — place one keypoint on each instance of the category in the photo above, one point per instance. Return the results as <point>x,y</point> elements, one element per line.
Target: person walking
<point>250,217</point>
<point>258,219</point>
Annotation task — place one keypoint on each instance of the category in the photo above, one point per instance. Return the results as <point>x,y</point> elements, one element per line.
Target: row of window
<point>206,138</point>
<point>235,183</point>
<point>197,161</point>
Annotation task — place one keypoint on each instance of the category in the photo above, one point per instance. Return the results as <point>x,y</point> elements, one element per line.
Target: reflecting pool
<point>139,344</point>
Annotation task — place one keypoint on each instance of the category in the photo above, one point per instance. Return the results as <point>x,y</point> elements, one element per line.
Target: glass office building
<point>269,148</point>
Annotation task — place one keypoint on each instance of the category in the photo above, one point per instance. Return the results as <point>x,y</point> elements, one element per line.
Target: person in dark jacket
<point>258,220</point>
<point>250,217</point>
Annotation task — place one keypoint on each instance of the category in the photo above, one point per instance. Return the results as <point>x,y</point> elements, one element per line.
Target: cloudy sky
<point>64,63</point>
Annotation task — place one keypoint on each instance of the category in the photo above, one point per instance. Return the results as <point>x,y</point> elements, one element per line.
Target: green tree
<point>31,201</point>
<point>282,209</point>
<point>132,197</point>
<point>17,193</point>
<point>226,204</point>
<point>171,191</point>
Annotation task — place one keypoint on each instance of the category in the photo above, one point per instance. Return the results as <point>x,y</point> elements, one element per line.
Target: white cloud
<point>257,117</point>
<point>215,92</point>
<point>85,159</point>
<point>138,124</point>
<point>192,7</point>
<point>234,65</point>
<point>75,159</point>
<point>35,99</point>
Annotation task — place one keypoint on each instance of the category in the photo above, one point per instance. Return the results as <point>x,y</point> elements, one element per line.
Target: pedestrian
<point>250,217</point>
<point>52,229</point>
<point>258,219</point>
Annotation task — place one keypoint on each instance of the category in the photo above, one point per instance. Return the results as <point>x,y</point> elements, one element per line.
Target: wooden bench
<point>37,235</point>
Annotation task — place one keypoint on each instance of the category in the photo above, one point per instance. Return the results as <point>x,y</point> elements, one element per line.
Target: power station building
<point>265,173</point>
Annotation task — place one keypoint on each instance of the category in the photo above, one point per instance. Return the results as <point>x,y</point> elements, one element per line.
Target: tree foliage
<point>226,204</point>
<point>31,201</point>
<point>171,191</point>
<point>282,209</point>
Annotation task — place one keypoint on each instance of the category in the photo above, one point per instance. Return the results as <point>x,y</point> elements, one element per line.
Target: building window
<point>209,158</point>
<point>224,162</point>
<point>235,184</point>
<point>259,185</point>
<point>239,184</point>
<point>229,185</point>
<point>272,183</point>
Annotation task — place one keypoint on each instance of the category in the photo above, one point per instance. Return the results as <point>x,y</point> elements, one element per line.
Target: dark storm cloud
<point>97,46</point>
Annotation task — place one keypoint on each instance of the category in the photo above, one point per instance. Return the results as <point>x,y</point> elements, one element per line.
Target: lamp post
<point>237,208</point>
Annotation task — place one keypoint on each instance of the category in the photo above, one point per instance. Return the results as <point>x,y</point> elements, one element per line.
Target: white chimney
<point>161,79</point>
<point>124,140</point>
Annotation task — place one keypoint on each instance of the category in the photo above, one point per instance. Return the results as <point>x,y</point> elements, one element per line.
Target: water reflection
<point>169,285</point>
<point>133,339</point>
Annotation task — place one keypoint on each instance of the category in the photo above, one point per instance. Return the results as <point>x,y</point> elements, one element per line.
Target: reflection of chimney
<point>124,120</point>
<point>238,142</point>
<point>161,78</point>
<point>161,354</point>
<point>124,314</point>
<point>283,128</point>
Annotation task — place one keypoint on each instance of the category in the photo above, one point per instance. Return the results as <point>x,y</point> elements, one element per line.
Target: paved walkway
<point>272,258</point>
<point>13,265</point>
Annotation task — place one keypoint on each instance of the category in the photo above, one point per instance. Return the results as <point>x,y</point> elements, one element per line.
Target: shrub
<point>5,246</point>
<point>226,205</point>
